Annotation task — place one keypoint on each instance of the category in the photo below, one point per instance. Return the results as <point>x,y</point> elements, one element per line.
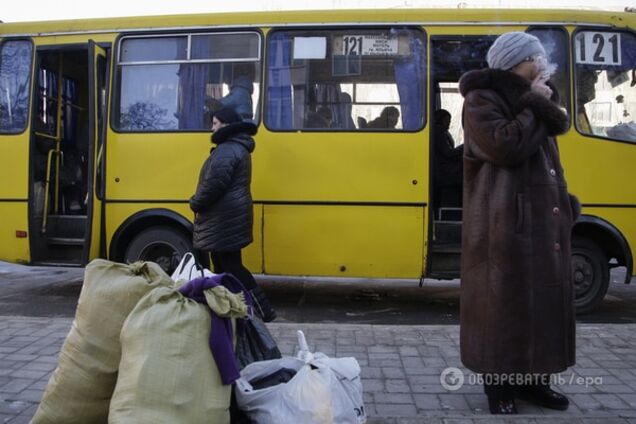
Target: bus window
<point>15,76</point>
<point>176,82</point>
<point>356,79</point>
<point>555,43</point>
<point>605,76</point>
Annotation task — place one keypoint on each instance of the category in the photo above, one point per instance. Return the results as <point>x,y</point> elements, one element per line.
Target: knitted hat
<point>227,115</point>
<point>511,48</point>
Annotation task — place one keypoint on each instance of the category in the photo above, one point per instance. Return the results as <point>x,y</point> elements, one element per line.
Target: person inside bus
<point>321,118</point>
<point>447,166</point>
<point>517,323</point>
<point>585,93</point>
<point>388,119</point>
<point>239,97</point>
<point>346,108</point>
<point>222,203</point>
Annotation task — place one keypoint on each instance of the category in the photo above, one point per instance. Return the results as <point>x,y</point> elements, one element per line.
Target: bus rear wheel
<point>163,245</point>
<point>590,274</point>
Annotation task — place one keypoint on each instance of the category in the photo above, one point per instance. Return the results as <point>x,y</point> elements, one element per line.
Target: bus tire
<point>161,244</point>
<point>590,275</point>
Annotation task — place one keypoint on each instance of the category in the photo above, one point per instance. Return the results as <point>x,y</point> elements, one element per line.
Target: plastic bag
<point>323,391</point>
<point>254,342</point>
<point>189,269</point>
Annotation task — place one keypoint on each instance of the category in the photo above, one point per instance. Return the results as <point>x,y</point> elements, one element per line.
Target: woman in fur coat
<point>517,311</point>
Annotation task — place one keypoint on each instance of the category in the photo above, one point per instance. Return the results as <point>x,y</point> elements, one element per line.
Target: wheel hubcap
<point>164,254</point>
<point>583,275</point>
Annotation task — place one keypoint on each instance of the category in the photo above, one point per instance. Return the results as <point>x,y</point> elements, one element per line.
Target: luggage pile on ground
<point>148,348</point>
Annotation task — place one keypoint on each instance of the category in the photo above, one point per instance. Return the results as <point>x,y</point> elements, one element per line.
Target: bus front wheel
<point>590,274</point>
<point>163,245</point>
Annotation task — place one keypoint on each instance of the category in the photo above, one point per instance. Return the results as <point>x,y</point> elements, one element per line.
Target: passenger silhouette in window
<point>388,119</point>
<point>447,163</point>
<point>321,118</point>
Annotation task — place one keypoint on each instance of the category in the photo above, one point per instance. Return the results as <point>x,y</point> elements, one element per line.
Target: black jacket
<point>223,201</point>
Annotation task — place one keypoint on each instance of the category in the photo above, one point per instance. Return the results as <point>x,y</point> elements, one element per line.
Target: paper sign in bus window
<point>598,48</point>
<point>310,47</point>
<point>369,45</point>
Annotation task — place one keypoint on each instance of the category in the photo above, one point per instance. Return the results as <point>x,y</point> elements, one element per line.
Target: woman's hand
<point>539,86</point>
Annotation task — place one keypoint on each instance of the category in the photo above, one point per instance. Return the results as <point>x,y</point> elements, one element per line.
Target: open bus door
<point>97,72</point>
<point>66,159</point>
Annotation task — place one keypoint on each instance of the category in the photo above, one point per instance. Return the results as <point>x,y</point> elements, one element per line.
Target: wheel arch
<point>608,238</point>
<point>142,220</point>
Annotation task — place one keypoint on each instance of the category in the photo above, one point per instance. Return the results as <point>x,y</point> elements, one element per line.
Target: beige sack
<point>80,389</point>
<point>167,372</point>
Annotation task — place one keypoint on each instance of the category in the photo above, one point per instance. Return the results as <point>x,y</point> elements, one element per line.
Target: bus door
<point>451,57</point>
<point>65,205</point>
<point>97,71</point>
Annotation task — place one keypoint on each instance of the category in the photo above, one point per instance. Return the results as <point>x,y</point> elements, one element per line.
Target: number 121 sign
<point>598,48</point>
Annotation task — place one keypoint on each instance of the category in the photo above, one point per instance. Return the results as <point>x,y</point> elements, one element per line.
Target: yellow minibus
<point>104,124</point>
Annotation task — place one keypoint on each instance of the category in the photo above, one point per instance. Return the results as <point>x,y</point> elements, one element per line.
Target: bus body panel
<point>345,241</point>
<point>341,167</point>
<point>14,218</point>
<point>162,166</point>
<point>13,172</point>
<point>599,182</point>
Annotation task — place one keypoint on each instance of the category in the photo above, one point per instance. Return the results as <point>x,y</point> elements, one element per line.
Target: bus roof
<point>433,16</point>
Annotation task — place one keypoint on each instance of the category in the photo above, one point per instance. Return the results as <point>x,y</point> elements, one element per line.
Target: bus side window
<point>605,78</point>
<point>175,82</point>
<point>348,80</point>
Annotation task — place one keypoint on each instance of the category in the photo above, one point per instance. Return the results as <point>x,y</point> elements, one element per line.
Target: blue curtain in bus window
<point>15,78</point>
<point>192,82</point>
<point>409,77</point>
<point>279,89</point>
<point>628,52</point>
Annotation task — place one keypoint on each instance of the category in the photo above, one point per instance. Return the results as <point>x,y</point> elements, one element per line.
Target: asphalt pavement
<point>53,292</point>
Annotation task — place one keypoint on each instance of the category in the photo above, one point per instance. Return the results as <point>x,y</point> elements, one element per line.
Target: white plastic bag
<point>323,391</point>
<point>189,269</point>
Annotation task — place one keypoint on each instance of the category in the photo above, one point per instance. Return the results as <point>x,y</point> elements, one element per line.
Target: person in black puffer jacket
<point>223,202</point>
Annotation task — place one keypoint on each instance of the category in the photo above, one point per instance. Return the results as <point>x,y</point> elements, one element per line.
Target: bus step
<point>66,226</point>
<point>446,248</point>
<point>444,260</point>
<point>448,231</point>
<point>66,241</point>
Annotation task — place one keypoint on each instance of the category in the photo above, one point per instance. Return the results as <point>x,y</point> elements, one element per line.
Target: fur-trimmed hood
<point>515,90</point>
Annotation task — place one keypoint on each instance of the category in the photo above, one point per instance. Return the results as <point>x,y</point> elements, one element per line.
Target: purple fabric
<point>220,339</point>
